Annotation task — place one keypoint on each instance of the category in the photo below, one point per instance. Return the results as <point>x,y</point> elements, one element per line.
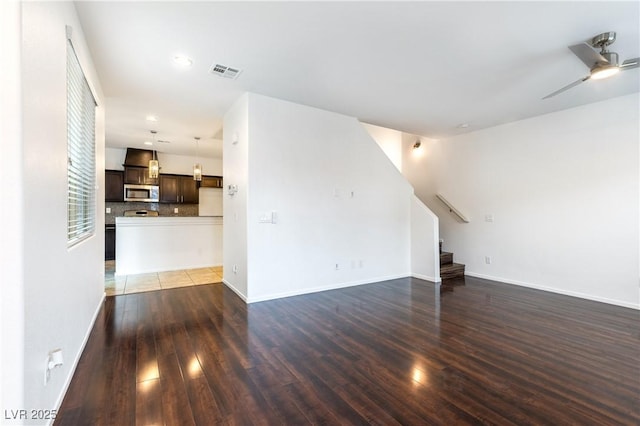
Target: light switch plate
<point>267,217</point>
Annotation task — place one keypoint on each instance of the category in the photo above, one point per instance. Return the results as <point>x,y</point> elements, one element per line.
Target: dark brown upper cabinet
<point>178,189</point>
<point>138,175</point>
<point>211,182</point>
<point>113,185</point>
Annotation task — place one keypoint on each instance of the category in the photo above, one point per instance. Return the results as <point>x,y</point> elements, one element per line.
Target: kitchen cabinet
<point>109,242</point>
<point>189,190</point>
<point>113,185</point>
<point>211,182</point>
<point>178,189</point>
<point>138,175</point>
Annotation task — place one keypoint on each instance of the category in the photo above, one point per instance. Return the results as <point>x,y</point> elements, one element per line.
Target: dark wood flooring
<point>397,352</point>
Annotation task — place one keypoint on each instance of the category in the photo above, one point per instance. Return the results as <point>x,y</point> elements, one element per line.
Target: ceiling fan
<point>603,64</point>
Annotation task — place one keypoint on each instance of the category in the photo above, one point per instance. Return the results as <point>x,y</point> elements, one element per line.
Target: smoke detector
<point>225,71</point>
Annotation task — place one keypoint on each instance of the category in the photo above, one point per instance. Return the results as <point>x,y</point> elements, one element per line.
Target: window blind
<point>81,174</point>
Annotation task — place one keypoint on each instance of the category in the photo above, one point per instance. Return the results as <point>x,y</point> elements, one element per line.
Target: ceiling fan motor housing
<point>611,57</point>
<point>603,40</point>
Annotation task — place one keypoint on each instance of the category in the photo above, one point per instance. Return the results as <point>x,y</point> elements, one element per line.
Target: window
<point>81,175</point>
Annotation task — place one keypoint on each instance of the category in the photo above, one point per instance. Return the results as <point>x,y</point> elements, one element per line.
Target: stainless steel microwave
<point>144,193</point>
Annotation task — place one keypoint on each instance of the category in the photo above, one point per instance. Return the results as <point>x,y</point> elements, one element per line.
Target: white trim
<point>72,370</point>
<point>324,288</point>
<point>427,278</point>
<point>125,222</point>
<point>235,290</point>
<point>555,290</point>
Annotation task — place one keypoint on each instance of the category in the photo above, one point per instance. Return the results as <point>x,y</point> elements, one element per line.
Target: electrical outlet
<point>175,210</point>
<point>488,218</point>
<point>108,210</point>
<point>337,267</point>
<point>487,260</point>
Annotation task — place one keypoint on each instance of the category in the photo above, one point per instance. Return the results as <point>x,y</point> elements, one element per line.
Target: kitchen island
<point>154,244</point>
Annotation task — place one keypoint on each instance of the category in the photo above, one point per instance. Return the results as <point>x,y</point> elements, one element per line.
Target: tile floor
<point>138,283</point>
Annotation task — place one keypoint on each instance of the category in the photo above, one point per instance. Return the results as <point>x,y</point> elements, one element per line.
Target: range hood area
<point>139,157</point>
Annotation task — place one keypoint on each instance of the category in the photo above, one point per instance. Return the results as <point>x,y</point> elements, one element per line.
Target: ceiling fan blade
<point>587,55</point>
<point>630,63</point>
<point>567,87</point>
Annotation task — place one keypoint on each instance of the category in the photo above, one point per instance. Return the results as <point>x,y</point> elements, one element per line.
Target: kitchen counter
<point>154,244</point>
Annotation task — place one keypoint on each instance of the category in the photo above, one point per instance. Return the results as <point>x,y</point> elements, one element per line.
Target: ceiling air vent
<point>225,71</point>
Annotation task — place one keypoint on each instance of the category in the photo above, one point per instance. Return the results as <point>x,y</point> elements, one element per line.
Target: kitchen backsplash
<point>118,209</point>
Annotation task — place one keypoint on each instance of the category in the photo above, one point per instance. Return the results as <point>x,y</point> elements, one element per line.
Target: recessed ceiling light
<point>182,61</point>
<point>152,118</point>
<point>148,143</point>
<point>463,125</point>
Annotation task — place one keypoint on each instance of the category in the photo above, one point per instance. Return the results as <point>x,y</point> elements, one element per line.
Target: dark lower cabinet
<point>109,242</point>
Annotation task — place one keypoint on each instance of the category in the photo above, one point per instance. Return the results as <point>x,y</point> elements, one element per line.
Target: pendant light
<point>197,168</point>
<point>154,166</point>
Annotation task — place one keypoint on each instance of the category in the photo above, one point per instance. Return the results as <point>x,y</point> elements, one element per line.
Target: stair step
<point>452,270</point>
<point>446,258</point>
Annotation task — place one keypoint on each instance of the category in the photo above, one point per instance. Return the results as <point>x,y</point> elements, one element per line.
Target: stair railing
<point>452,209</point>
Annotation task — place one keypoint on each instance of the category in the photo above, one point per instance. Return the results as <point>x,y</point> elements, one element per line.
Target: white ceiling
<point>419,67</point>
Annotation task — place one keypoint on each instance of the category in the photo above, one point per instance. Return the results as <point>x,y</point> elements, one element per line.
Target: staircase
<point>448,269</point>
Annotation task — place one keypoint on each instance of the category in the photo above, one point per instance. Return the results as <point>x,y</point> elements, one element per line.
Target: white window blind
<point>81,174</point>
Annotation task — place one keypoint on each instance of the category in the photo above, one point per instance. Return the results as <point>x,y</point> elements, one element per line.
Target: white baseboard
<point>427,278</point>
<point>323,288</point>
<point>556,290</point>
<point>235,290</point>
<point>76,360</point>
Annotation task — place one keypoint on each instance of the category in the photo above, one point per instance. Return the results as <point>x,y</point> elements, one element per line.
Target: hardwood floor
<point>397,352</point>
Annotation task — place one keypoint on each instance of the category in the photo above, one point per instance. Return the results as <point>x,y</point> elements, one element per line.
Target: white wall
<point>418,166</point>
<point>425,249</point>
<point>114,158</point>
<point>11,247</point>
<point>155,244</point>
<point>389,140</point>
<point>63,288</point>
<point>210,202</point>
<point>563,190</point>
<point>235,172</point>
<point>425,253</point>
<point>338,198</point>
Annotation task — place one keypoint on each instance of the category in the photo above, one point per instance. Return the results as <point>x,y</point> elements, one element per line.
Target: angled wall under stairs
<point>317,204</point>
